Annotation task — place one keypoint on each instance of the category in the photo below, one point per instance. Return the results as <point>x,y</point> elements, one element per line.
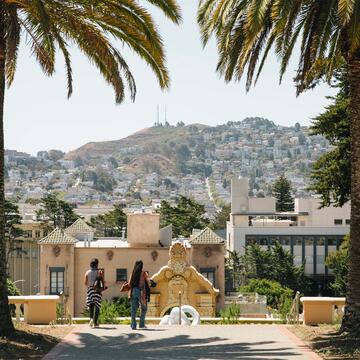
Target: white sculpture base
<point>173,318</point>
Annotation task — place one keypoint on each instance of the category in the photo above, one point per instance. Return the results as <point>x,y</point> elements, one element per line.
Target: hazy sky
<point>39,117</point>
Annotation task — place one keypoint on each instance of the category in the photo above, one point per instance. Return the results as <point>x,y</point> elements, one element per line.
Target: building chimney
<point>239,195</point>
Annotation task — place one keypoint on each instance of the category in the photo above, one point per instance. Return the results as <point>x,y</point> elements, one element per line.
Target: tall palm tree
<point>55,25</point>
<point>328,33</point>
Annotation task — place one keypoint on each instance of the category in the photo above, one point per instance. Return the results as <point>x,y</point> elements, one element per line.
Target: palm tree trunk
<point>351,320</point>
<point>6,325</point>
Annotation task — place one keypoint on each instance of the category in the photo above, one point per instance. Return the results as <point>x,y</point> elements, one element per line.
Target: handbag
<point>125,287</point>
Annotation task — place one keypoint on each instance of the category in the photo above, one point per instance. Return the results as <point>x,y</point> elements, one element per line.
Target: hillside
<point>142,142</point>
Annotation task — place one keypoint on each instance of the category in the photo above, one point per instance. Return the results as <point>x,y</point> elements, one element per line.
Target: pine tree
<point>282,192</point>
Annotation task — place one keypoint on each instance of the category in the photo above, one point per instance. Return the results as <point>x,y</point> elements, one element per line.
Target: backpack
<point>99,285</point>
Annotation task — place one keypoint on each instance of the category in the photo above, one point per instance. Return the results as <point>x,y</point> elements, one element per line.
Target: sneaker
<point>91,323</point>
<point>143,327</point>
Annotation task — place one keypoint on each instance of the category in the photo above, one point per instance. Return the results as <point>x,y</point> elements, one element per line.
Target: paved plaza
<point>175,342</point>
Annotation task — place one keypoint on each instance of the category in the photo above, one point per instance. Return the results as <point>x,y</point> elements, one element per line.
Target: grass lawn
<point>31,342</point>
<point>324,340</point>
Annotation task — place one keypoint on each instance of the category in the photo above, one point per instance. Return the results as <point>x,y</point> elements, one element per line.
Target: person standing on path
<point>137,293</point>
<point>95,283</point>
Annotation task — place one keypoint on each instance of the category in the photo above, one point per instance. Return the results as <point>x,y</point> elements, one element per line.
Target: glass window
<point>309,240</point>
<point>273,240</point>
<point>320,241</point>
<point>37,233</point>
<point>338,222</point>
<point>297,240</point>
<point>121,274</point>
<point>209,273</point>
<point>56,281</point>
<point>285,240</point>
<point>250,240</point>
<point>332,241</point>
<point>262,240</point>
<point>347,221</point>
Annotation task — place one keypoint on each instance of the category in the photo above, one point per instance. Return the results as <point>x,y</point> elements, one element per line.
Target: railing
<point>294,316</point>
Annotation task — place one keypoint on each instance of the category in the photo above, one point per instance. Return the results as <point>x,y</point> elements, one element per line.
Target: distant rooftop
<point>206,236</point>
<point>79,227</point>
<point>57,236</point>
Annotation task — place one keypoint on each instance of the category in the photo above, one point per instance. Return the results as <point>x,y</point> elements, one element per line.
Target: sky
<point>38,115</point>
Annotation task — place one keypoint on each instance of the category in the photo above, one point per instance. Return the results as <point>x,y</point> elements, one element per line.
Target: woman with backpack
<point>95,283</point>
<point>137,293</point>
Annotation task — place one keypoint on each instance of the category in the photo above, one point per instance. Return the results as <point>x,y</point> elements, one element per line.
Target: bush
<point>230,314</point>
<point>123,306</point>
<point>12,289</point>
<point>110,310</point>
<point>108,313</point>
<point>274,292</point>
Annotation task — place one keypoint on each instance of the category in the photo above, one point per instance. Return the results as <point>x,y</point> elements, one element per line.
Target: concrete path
<point>174,343</point>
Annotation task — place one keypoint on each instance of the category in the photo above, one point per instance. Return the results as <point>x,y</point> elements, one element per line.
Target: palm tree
<point>51,25</point>
<point>328,33</point>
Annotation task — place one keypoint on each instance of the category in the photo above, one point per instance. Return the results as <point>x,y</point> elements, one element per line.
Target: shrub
<point>12,289</point>
<point>230,314</point>
<point>108,313</point>
<point>274,292</point>
<point>123,306</point>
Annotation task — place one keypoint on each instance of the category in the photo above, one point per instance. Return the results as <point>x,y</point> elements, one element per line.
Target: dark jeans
<point>94,312</point>
<point>135,302</point>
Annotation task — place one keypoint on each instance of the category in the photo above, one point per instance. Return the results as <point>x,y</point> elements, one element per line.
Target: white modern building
<point>309,233</point>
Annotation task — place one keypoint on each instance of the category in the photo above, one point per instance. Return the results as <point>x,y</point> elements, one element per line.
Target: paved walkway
<point>174,343</point>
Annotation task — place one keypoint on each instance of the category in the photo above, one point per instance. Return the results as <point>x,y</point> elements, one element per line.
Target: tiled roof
<point>207,236</point>
<point>79,227</point>
<point>57,236</point>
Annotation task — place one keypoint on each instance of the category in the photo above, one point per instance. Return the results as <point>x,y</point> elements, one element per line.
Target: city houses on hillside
<point>65,256</point>
<point>308,232</point>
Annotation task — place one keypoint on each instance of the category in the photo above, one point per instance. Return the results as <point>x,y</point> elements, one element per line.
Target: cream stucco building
<point>65,256</point>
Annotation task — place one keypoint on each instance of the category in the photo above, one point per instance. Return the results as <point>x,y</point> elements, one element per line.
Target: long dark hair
<point>94,264</point>
<point>135,276</point>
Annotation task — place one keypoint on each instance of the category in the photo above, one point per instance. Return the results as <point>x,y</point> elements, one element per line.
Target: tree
<point>185,216</point>
<point>54,25</point>
<point>276,264</point>
<point>282,192</point>
<point>328,33</point>
<point>55,213</point>
<point>338,262</point>
<point>275,293</point>
<point>221,218</point>
<point>110,223</point>
<point>12,229</point>
<point>233,270</point>
<point>331,173</point>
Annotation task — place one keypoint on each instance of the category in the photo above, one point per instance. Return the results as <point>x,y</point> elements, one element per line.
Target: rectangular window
<point>28,234</point>
<point>347,221</point>
<point>273,240</point>
<point>250,240</point>
<point>209,273</point>
<point>309,240</point>
<point>56,280</point>
<point>285,240</point>
<point>320,241</point>
<point>37,234</point>
<point>297,240</point>
<point>262,240</point>
<point>121,275</point>
<point>332,241</point>
<point>338,222</point>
